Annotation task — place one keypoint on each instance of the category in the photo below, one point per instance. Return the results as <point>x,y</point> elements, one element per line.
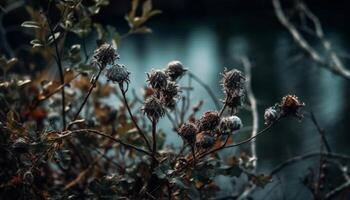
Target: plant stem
<point>133,119</point>
<point>154,138</point>
<point>88,94</point>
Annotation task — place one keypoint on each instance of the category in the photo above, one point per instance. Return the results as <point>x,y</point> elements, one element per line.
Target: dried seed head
<point>157,79</point>
<point>188,132</point>
<point>204,141</point>
<point>20,146</point>
<point>291,105</point>
<point>233,81</point>
<point>209,121</point>
<point>230,124</point>
<point>175,70</point>
<point>169,95</point>
<point>28,177</point>
<point>153,108</point>
<point>118,74</point>
<point>105,55</point>
<point>235,100</point>
<point>271,115</point>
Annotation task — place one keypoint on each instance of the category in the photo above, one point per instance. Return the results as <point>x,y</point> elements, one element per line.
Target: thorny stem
<point>132,117</point>
<point>92,86</point>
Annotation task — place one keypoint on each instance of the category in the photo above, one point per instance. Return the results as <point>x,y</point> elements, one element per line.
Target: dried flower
<point>291,105</point>
<point>204,141</point>
<point>153,108</point>
<point>157,79</point>
<point>105,55</point>
<point>209,121</point>
<point>233,81</point>
<point>230,124</point>
<point>188,132</point>
<point>271,115</point>
<point>118,74</point>
<point>169,95</point>
<point>235,99</point>
<point>175,70</point>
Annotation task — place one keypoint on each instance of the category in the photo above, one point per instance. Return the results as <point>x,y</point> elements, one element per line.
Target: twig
<point>132,117</point>
<point>154,138</point>
<point>321,132</point>
<point>335,66</point>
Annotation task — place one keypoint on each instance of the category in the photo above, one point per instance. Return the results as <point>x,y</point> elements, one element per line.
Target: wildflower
<point>271,115</point>
<point>230,124</point>
<point>118,74</point>
<point>188,132</point>
<point>175,70</point>
<point>153,108</point>
<point>157,79</point>
<point>105,55</point>
<point>291,105</point>
<point>209,121</point>
<point>233,81</point>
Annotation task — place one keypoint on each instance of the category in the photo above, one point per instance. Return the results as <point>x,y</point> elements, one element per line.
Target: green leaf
<point>31,24</point>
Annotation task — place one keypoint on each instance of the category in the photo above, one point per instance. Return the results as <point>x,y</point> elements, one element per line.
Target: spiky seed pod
<point>235,100</point>
<point>157,79</point>
<point>153,108</point>
<point>290,105</point>
<point>230,124</point>
<point>105,55</point>
<point>169,95</point>
<point>118,74</point>
<point>188,132</point>
<point>271,115</point>
<point>232,81</point>
<point>175,70</point>
<point>204,141</point>
<point>209,121</point>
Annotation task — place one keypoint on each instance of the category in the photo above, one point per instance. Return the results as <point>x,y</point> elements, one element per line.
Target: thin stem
<point>133,119</point>
<point>321,132</point>
<point>154,138</point>
<point>60,69</point>
<point>207,88</point>
<point>130,146</point>
<point>92,86</point>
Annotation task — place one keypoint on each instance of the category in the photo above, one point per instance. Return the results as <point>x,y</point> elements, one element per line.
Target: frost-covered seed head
<point>270,115</point>
<point>209,121</point>
<point>118,74</point>
<point>153,108</point>
<point>233,81</point>
<point>230,124</point>
<point>175,70</point>
<point>105,55</point>
<point>188,132</point>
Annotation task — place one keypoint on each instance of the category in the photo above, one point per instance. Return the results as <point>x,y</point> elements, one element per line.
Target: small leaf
<point>31,24</point>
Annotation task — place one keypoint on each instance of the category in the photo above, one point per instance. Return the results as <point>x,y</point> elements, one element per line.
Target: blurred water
<point>205,49</point>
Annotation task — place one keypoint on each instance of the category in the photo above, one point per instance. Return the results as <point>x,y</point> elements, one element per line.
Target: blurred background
<point>207,36</point>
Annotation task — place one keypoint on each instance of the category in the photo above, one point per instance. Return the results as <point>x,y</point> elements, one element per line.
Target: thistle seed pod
<point>188,132</point>
<point>230,124</point>
<point>105,55</point>
<point>233,81</point>
<point>204,141</point>
<point>209,121</point>
<point>157,79</point>
<point>118,74</point>
<point>175,70</point>
<point>169,95</point>
<point>290,105</point>
<point>235,100</point>
<point>271,115</point>
<point>153,108</point>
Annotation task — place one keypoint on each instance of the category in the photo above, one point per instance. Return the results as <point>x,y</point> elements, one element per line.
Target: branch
<point>335,66</point>
<point>321,132</point>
